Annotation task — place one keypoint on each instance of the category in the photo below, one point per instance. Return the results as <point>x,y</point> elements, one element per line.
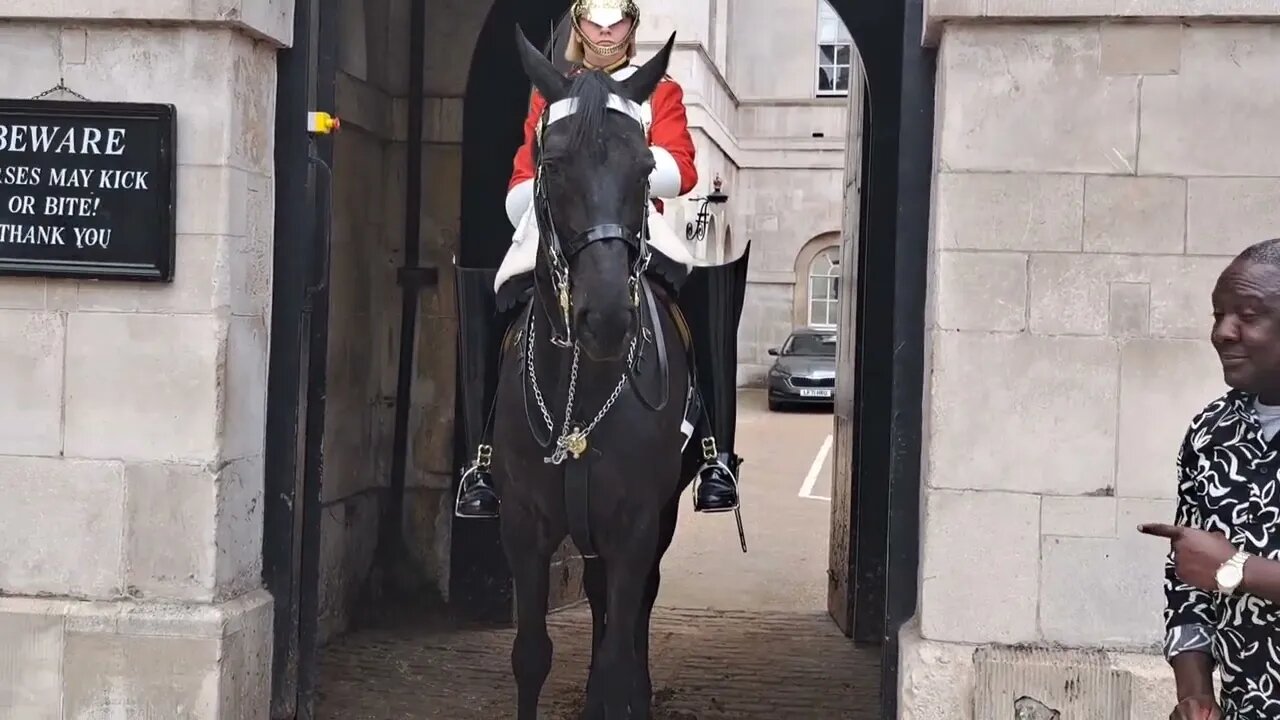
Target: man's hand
<point>1199,707</point>
<point>1197,554</point>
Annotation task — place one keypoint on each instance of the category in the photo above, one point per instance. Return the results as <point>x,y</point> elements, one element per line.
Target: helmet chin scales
<point>603,13</point>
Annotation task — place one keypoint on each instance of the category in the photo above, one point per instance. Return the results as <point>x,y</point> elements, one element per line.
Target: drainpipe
<point>412,279</point>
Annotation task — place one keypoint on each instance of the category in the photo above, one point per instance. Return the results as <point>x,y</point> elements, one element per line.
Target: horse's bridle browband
<point>558,252</point>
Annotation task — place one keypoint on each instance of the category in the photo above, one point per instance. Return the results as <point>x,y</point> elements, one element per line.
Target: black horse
<point>594,385</point>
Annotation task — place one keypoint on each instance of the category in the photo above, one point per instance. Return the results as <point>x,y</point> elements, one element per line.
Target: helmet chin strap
<point>610,50</point>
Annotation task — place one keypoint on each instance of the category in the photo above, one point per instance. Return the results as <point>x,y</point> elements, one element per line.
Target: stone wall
<point>131,432</point>
<point>1093,178</point>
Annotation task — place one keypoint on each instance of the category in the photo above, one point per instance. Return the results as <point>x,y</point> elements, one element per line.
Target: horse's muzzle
<point>605,333</point>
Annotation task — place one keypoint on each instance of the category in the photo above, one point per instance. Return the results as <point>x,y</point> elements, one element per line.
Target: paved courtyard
<point>735,636</point>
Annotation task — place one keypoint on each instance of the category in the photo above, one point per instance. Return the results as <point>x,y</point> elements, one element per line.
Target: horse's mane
<point>591,90</point>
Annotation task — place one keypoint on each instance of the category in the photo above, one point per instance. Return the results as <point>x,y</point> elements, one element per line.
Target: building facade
<point>1097,164</point>
<point>1095,168</point>
<point>769,113</point>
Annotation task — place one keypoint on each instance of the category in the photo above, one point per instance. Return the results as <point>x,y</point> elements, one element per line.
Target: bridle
<point>573,433</point>
<point>559,253</point>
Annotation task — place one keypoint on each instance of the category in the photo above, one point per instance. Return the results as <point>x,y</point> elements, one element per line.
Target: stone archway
<point>467,98</point>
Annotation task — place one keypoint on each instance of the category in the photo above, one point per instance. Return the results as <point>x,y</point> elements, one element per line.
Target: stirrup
<point>711,459</point>
<point>484,456</point>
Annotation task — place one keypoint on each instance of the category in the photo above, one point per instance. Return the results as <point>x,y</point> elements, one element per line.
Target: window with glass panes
<point>824,288</point>
<point>835,52</point>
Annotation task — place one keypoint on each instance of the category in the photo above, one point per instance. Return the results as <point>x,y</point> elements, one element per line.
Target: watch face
<point>1230,576</point>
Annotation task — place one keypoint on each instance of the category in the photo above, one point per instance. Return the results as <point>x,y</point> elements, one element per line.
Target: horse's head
<point>591,196</point>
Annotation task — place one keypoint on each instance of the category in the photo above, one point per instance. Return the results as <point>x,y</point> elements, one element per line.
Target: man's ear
<point>644,80</point>
<point>541,72</point>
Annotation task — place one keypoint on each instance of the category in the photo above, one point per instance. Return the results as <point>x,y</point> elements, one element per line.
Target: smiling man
<point>1222,578</point>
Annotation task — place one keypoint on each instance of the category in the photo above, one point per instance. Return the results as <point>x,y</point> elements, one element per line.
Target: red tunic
<point>668,129</point>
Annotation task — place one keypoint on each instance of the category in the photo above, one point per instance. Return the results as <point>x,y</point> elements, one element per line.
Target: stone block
<point>238,567</point>
<point>1227,215</point>
<point>79,554</point>
<point>1030,98</point>
<point>1033,683</point>
<point>935,679</point>
<point>982,291</point>
<point>251,260</point>
<point>349,537</point>
<point>168,660</point>
<point>1218,115</point>
<point>30,662</point>
<point>431,414</point>
<point>252,67</point>
<point>187,66</point>
<point>1134,214</point>
<point>170,548</point>
<point>1047,8</point>
<point>428,529</point>
<point>30,59</point>
<point>212,201</point>
<point>942,9</point>
<point>200,283</point>
<point>32,346</point>
<point>1086,516</point>
<point>1163,384</point>
<point>1071,294</point>
<point>1122,607</point>
<point>1032,392</point>
<point>22,293</point>
<point>1130,311</point>
<point>130,396</point>
<point>980,586</point>
<point>1141,49</point>
<point>272,19</point>
<point>244,387</point>
<point>1209,9</point>
<point>1009,211</point>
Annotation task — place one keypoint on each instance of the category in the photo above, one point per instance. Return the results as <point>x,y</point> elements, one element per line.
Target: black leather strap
<point>607,231</point>
<point>577,500</point>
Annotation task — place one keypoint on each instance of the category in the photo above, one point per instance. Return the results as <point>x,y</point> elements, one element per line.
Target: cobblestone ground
<point>707,665</point>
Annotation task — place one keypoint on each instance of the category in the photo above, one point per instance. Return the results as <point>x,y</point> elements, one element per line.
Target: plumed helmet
<point>603,13</point>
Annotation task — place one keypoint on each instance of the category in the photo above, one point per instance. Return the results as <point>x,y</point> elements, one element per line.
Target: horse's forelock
<point>591,91</point>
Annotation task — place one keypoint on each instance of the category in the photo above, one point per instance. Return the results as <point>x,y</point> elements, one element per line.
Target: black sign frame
<point>161,251</point>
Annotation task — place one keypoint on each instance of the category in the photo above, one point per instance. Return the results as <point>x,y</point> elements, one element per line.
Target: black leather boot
<point>717,483</point>
<point>480,329</point>
<point>712,299</point>
<point>476,497</point>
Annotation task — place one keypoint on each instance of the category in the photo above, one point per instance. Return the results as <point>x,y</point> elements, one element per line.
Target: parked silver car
<point>805,369</point>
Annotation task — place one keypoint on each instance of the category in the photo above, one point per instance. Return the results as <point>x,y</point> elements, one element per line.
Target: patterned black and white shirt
<point>1229,482</point>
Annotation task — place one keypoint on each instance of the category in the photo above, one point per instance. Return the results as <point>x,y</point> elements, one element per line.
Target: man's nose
<point>1225,330</point>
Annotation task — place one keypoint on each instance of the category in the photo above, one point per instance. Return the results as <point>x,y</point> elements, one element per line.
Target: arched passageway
<point>765,665</point>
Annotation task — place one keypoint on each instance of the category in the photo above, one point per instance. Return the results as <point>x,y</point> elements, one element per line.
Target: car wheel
<point>774,405</point>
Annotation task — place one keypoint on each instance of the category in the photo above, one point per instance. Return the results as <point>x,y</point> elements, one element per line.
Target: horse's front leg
<point>612,695</point>
<point>593,581</point>
<point>643,699</point>
<point>529,555</point>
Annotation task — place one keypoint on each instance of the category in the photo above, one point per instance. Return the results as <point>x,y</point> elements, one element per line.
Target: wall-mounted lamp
<point>696,231</point>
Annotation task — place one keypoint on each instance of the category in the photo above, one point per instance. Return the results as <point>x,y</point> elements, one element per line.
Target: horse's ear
<point>644,80</point>
<point>544,75</point>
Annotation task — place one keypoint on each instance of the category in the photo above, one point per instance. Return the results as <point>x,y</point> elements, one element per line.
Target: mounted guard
<point>710,297</point>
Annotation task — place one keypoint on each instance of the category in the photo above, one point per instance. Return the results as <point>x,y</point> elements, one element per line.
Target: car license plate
<point>815,392</point>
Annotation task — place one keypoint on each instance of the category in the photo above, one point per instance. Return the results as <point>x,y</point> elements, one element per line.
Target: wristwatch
<point>1231,573</point>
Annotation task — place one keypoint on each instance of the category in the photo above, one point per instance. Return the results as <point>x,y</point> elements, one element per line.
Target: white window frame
<point>825,265</point>
<point>829,19</point>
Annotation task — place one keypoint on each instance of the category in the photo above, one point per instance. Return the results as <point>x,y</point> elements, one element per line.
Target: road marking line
<point>810,480</point>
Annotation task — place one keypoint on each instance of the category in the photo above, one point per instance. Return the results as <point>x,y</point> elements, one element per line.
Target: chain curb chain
<point>567,438</point>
